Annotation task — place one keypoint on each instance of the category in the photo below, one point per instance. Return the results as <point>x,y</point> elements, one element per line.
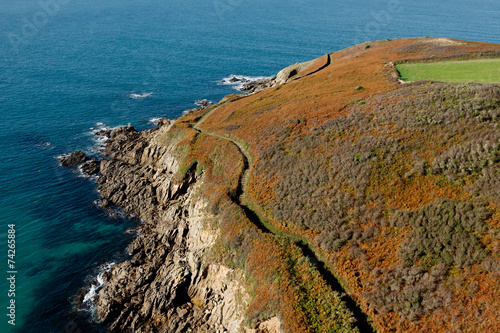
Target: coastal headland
<point>333,198</point>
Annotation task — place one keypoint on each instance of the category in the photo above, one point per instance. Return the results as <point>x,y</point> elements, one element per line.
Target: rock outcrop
<point>289,73</point>
<point>76,157</point>
<point>272,325</point>
<point>168,285</point>
<point>91,168</point>
<point>258,85</point>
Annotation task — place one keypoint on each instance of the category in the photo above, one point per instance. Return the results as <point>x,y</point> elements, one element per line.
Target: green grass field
<point>483,71</point>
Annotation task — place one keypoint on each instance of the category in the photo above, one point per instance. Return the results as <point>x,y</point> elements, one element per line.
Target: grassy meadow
<point>479,71</point>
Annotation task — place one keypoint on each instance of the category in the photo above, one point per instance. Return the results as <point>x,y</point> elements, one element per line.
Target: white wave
<point>97,284</point>
<point>90,295</point>
<point>81,174</point>
<point>143,95</point>
<point>99,127</point>
<point>99,140</point>
<point>154,120</point>
<point>44,144</point>
<point>89,302</point>
<point>202,102</point>
<point>240,80</point>
<point>60,157</point>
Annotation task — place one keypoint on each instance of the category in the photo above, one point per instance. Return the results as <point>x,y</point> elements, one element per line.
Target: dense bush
<point>417,108</point>
<point>323,176</point>
<point>470,157</point>
<point>318,193</point>
<point>409,291</point>
<point>345,177</point>
<point>488,184</point>
<point>444,232</point>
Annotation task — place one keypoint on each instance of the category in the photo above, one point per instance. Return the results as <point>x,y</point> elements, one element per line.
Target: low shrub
<point>444,232</point>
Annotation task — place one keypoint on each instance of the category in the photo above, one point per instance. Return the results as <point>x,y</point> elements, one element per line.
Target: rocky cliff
<point>168,285</point>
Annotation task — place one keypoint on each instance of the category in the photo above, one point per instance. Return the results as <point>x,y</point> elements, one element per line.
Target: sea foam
<point>242,79</point>
<point>142,95</point>
<point>154,120</point>
<point>96,285</point>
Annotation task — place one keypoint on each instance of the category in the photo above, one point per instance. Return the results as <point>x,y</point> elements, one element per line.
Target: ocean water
<point>70,67</point>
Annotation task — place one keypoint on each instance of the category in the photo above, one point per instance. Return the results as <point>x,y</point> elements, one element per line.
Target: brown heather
<point>395,187</point>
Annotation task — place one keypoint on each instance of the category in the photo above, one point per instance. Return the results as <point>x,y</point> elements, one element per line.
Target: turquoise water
<point>69,67</point>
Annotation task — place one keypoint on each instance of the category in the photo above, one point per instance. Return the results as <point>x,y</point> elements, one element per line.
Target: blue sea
<point>71,67</point>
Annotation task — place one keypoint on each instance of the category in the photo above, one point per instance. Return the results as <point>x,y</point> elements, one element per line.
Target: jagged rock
<point>125,144</point>
<point>289,73</point>
<point>167,285</point>
<point>189,111</point>
<point>105,203</point>
<point>104,132</point>
<point>258,85</point>
<point>203,103</point>
<point>122,130</point>
<point>272,325</point>
<point>163,122</point>
<point>76,157</point>
<point>91,168</point>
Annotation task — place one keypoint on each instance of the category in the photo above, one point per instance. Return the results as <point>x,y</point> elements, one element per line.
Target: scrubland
<point>394,187</point>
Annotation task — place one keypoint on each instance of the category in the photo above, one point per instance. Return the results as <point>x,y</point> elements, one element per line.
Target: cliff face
<point>168,285</point>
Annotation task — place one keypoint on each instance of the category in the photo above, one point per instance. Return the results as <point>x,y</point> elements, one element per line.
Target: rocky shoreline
<point>251,86</point>
<point>286,75</point>
<point>168,284</point>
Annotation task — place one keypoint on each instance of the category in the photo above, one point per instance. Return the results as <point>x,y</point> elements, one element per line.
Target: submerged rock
<point>234,79</point>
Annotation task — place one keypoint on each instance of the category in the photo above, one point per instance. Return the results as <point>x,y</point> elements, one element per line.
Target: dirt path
<point>244,177</point>
<point>242,200</point>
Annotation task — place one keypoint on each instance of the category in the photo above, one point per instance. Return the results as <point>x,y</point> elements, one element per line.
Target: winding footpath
<point>242,199</point>
<point>247,164</point>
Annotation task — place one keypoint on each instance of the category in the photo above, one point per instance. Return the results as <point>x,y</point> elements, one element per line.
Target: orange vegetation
<point>356,164</point>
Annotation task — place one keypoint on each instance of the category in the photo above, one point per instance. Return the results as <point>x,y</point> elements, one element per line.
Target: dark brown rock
<point>103,132</point>
<point>91,168</point>
<point>203,103</point>
<point>76,157</point>
<point>258,85</point>
<point>163,122</point>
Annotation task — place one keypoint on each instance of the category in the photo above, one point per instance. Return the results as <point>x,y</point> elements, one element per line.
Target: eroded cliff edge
<point>168,285</point>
